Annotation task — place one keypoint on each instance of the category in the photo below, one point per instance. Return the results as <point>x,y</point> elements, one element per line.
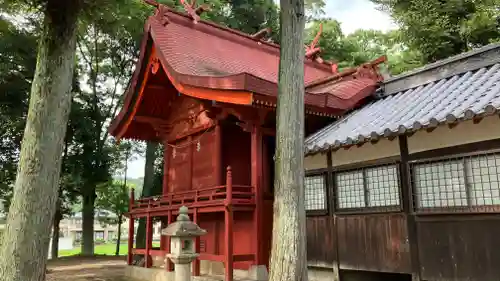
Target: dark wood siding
<point>321,240</point>
<point>460,247</point>
<point>375,242</point>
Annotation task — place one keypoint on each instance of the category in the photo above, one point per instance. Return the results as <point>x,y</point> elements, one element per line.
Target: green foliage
<point>362,46</point>
<point>17,65</point>
<point>439,29</point>
<point>314,9</point>
<point>112,196</point>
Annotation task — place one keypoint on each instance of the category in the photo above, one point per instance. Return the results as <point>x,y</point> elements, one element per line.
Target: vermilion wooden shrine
<point>209,94</point>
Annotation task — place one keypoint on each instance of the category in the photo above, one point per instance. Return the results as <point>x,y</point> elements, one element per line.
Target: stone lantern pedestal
<point>182,244</point>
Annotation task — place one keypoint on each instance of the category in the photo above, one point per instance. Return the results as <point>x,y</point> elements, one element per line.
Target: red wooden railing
<point>200,197</point>
<point>226,196</point>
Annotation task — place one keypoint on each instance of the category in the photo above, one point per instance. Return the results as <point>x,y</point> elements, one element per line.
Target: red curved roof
<point>209,56</point>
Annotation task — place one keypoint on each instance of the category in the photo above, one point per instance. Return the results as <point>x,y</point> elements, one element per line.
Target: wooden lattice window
<point>382,184</point>
<point>368,187</point>
<point>466,181</point>
<point>315,192</point>
<point>350,188</point>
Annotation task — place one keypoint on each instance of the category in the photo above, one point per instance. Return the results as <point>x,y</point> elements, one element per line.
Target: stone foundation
<point>214,271</point>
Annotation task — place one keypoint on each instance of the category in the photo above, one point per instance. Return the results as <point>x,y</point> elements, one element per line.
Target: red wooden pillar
<point>166,155</point>
<point>256,152</point>
<point>130,255</point>
<point>149,240</point>
<point>228,233</point>
<point>168,263</point>
<point>196,262</point>
<point>217,160</point>
<point>190,159</point>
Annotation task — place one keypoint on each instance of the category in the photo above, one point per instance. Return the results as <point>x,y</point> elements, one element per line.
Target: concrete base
<point>321,274</point>
<point>148,274</point>
<point>214,271</point>
<point>258,272</point>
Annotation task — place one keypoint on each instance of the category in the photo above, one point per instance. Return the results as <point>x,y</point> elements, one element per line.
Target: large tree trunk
<point>54,251</point>
<point>147,187</point>
<point>119,238</point>
<point>288,256</point>
<point>88,221</point>
<point>23,254</point>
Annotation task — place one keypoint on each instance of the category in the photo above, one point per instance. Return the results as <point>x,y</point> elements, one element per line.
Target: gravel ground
<point>86,269</point>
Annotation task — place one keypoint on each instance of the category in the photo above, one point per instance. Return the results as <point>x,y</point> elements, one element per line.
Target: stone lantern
<point>182,244</point>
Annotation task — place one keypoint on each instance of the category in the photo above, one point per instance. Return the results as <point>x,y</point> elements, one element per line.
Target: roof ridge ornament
<point>259,35</point>
<point>312,52</point>
<point>193,11</point>
<point>161,11</point>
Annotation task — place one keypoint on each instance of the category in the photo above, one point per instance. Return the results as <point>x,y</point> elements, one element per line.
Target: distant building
<point>72,227</point>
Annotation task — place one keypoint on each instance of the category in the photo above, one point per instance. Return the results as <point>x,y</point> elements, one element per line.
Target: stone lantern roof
<point>183,227</point>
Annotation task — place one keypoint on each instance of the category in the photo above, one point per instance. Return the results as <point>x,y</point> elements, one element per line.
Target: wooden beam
<point>190,163</point>
<point>196,262</point>
<point>169,266</point>
<point>407,200</point>
<point>130,256</point>
<point>166,157</point>
<point>217,156</point>
<point>256,157</point>
<point>228,231</point>
<point>332,206</point>
<point>149,241</point>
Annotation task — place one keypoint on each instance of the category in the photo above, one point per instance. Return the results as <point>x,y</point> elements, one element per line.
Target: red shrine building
<point>209,94</point>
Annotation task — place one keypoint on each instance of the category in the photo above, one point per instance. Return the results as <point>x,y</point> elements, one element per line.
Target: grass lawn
<point>103,249</point>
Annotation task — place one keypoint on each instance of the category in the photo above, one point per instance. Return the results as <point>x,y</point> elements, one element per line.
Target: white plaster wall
<point>316,161</point>
<point>463,133</point>
<point>368,151</point>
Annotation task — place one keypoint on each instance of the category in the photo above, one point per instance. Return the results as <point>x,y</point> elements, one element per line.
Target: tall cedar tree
<point>288,254</point>
<point>23,252</point>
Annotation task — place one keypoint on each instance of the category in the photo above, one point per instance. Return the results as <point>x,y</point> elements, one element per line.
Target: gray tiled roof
<point>459,97</point>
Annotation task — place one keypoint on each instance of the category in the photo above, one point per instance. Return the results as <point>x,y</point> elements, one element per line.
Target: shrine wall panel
<point>203,147</point>
<point>213,242</point>
<point>376,242</point>
<point>236,152</point>
<point>179,175</point>
<point>213,223</point>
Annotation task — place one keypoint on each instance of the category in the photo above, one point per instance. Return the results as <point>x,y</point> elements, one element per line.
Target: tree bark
<point>119,238</point>
<point>288,253</point>
<point>55,236</point>
<point>23,253</point>
<point>147,187</point>
<point>88,221</point>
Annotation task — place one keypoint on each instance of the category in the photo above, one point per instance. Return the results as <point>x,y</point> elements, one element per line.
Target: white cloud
<point>135,168</point>
<point>358,14</point>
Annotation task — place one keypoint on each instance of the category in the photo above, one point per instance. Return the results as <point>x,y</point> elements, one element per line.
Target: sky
<point>352,15</point>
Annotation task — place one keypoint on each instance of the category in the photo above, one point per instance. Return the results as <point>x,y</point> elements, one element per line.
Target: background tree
<point>108,45</point>
<point>36,187</point>
<point>113,196</point>
<point>362,46</point>
<point>439,29</point>
<point>148,189</point>
<point>17,67</point>
<point>288,253</point>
